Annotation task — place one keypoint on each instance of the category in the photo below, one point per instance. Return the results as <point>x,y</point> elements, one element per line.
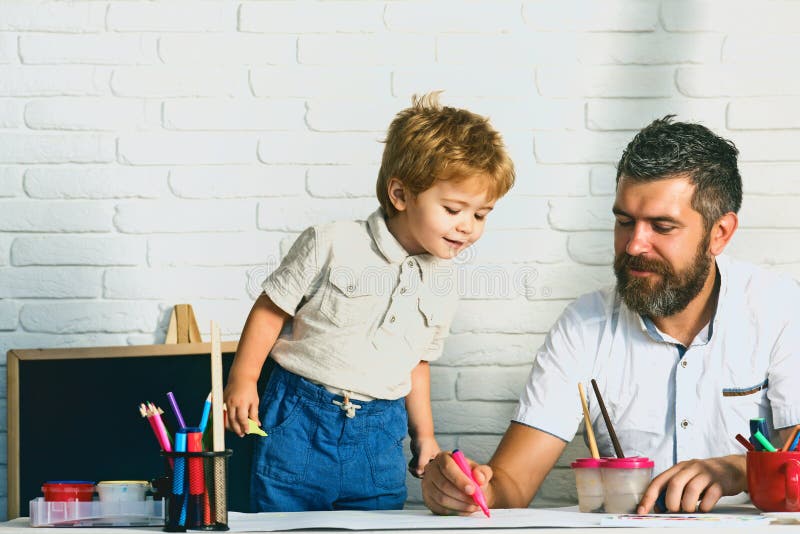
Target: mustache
<point>625,262</point>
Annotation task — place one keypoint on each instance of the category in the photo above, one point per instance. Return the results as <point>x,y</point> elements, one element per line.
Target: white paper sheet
<point>424,520</point>
<point>410,520</point>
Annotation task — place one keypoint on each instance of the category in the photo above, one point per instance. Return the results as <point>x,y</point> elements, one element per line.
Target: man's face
<point>661,256</point>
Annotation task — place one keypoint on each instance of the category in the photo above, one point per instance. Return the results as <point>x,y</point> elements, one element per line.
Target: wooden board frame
<point>13,380</point>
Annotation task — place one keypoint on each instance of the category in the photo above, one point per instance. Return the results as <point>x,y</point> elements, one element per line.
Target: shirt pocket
<point>347,302</point>
<point>744,402</point>
<point>426,325</point>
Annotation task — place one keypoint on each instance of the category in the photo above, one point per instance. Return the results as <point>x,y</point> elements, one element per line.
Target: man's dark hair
<point>665,148</point>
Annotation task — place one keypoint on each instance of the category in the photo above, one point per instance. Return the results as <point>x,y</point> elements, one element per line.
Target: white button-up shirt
<point>365,312</point>
<point>668,402</point>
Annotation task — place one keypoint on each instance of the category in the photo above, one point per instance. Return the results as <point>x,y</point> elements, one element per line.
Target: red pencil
<point>143,411</point>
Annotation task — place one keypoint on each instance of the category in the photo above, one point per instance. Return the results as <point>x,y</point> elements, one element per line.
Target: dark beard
<point>669,295</point>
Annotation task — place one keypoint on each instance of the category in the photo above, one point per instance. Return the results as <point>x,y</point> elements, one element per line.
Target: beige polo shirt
<point>364,312</point>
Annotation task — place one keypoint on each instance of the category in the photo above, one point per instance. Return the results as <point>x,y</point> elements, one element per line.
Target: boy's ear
<point>397,194</point>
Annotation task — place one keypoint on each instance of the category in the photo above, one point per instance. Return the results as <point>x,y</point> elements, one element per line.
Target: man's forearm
<point>522,461</point>
<point>504,492</point>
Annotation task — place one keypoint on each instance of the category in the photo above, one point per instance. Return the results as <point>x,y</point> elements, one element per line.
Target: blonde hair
<point>428,142</point>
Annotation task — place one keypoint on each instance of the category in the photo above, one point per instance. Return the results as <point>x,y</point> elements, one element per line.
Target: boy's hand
<point>241,400</point>
<point>423,450</point>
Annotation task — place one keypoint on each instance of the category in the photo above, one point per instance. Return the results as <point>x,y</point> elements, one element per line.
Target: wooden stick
<point>218,428</point>
<point>588,423</point>
<point>216,390</point>
<point>614,441</point>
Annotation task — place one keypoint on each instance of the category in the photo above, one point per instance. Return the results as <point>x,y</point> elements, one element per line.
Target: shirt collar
<point>387,244</point>
<point>648,326</point>
<point>393,251</point>
<point>723,266</point>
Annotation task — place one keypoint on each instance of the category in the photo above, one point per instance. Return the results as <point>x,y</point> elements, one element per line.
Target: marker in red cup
<point>477,495</point>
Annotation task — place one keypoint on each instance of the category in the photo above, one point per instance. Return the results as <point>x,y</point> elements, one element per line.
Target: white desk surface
<point>267,522</point>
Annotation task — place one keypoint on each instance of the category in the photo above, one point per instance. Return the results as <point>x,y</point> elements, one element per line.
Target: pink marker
<point>477,495</point>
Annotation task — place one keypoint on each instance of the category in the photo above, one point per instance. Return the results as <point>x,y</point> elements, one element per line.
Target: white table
<point>420,522</point>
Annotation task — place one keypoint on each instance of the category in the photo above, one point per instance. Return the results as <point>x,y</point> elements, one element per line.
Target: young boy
<point>371,303</point>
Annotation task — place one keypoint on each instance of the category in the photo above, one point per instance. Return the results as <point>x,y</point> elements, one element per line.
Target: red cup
<point>68,490</point>
<point>773,480</point>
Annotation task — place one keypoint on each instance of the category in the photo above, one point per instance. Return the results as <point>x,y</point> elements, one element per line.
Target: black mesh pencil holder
<point>198,499</point>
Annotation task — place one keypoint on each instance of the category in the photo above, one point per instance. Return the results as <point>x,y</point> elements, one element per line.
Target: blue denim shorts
<point>316,458</point>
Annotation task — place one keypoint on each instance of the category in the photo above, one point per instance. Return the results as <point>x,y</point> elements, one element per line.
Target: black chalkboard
<point>73,415</point>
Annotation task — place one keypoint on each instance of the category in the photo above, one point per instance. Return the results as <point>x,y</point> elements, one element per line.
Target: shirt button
<point>684,363</point>
<point>684,424</point>
<point>410,263</point>
<point>403,291</point>
<point>350,289</point>
<point>392,319</point>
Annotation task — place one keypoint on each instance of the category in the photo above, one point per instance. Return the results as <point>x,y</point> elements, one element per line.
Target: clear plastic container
<point>589,483</point>
<point>122,490</point>
<point>96,513</point>
<point>624,482</point>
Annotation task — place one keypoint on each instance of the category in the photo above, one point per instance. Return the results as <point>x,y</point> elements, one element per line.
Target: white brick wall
<point>10,181</point>
<point>11,112</point>
<point>90,114</point>
<point>25,147</point>
<point>78,250</point>
<point>53,80</point>
<point>156,152</point>
<point>93,182</point>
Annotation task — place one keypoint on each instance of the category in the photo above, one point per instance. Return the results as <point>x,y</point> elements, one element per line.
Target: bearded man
<point>686,348</point>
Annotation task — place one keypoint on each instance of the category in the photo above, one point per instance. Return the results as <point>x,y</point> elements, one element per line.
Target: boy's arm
<point>420,419</point>
<point>263,325</point>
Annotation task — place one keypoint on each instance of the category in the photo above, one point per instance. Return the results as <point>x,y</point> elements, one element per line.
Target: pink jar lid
<point>632,462</point>
<point>581,463</point>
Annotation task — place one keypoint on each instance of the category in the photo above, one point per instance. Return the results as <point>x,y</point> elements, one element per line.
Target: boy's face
<point>444,219</point>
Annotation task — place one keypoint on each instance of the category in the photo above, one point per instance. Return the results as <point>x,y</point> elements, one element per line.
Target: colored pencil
<point>145,413</point>
<point>162,430</point>
<point>177,411</point>
<point>204,416</point>
<point>793,447</point>
<point>790,440</point>
<point>746,444</point>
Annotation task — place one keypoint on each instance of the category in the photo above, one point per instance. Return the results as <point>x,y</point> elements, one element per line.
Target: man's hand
<point>423,450</point>
<point>446,490</point>
<point>688,482</point>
